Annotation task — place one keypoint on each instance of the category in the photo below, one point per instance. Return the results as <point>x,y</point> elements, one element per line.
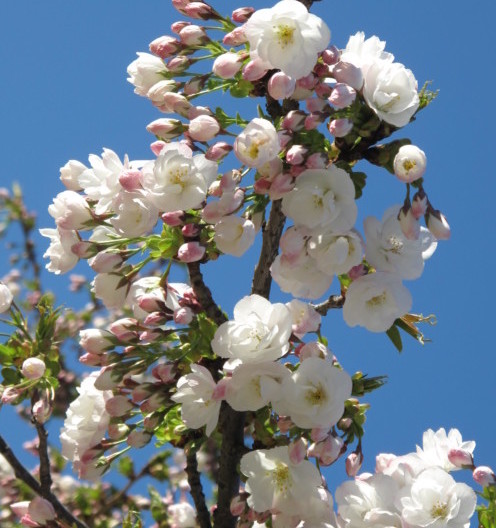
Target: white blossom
<point>314,395</point>
<point>387,248</point>
<point>258,143</point>
<point>300,277</point>
<point>437,444</point>
<point>335,253</point>
<point>259,332</point>
<point>436,500</point>
<point>305,317</point>
<point>69,174</point>
<point>409,163</point>
<point>6,298</point>
<point>362,52</point>
<point>135,215</point>
<point>111,289</point>
<point>375,301</point>
<point>149,286</point>
<point>287,37</point>
<point>195,393</point>
<point>253,385</point>
<point>145,71</point>
<point>322,198</point>
<point>62,259</point>
<point>234,235</point>
<point>276,483</point>
<point>391,91</point>
<point>183,515</point>
<point>70,211</point>
<point>86,422</point>
<point>177,180</point>
<point>368,503</point>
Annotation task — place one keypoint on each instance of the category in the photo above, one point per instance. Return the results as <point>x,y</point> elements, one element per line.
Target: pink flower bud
<point>157,147</point>
<point>281,185</point>
<point>165,46</point>
<point>199,10</point>
<point>33,368</point>
<point>130,180</point>
<point>41,410</point>
<point>294,120</point>
<point>238,506</point>
<point>461,458</point>
<point>164,372</point>
<point>20,508</point>
<point>347,73</point>
<point>183,315</point>
<point>155,319</point>
<point>437,224</point>
<point>118,406</point>
<point>92,360</point>
<point>166,128</point>
<point>317,160</point>
<point>242,14</point>
<point>410,226</point>
<point>296,155</point>
<point>138,439</point>
<point>150,422</point>
<point>285,136</point>
<point>190,230</point>
<point>262,186</point>
<point>219,392</point>
<point>313,349</point>
<point>281,86</point>
<point>84,249</point>
<point>180,24</point>
<point>332,448</point>
<point>313,120</point>
<point>342,95</point>
<point>227,65</point>
<point>173,102</point>
<point>297,450</point>
<point>419,204</point>
<point>254,70</point>
<point>356,272</point>
<point>218,151</point>
<point>191,252</point>
<point>10,394</point>
<point>180,5</point>
<point>331,56</point>
<point>236,37</point>
<point>484,476</point>
<point>203,128</point>
<point>116,431</point>
<point>173,218</point>
<point>317,434</point>
<point>314,104</point>
<point>196,111</point>
<point>105,262</point>
<point>124,329</point>
<point>193,35</point>
<point>340,127</point>
<point>178,64</point>
<point>41,511</point>
<point>150,303</point>
<point>353,464</point>
<point>284,423</point>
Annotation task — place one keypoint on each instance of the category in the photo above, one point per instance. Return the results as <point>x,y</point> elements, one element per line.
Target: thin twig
<point>196,490</point>
<point>334,301</point>
<point>23,474</point>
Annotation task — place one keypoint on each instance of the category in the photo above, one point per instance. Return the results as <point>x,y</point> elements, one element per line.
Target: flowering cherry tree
<point>238,413</point>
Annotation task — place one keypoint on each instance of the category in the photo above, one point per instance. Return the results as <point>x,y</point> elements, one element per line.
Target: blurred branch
<point>25,476</point>
<point>334,301</point>
<point>196,490</point>
<point>45,476</point>
<point>203,294</point>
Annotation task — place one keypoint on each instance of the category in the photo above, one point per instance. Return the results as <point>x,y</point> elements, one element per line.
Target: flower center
<point>177,175</point>
<point>281,477</point>
<point>439,510</point>
<point>316,395</point>
<point>284,35</point>
<point>378,300</point>
<point>408,165</point>
<point>396,244</point>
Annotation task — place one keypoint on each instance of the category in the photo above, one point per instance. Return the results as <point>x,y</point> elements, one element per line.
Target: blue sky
<point>64,95</point>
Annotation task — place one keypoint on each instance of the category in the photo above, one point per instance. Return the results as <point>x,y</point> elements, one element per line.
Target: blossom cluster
<point>166,364</point>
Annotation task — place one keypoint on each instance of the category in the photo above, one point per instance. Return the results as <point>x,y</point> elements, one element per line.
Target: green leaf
<point>125,467</point>
<point>383,155</point>
<point>10,376</point>
<point>6,355</point>
<point>394,334</point>
<point>359,180</point>
<point>241,89</point>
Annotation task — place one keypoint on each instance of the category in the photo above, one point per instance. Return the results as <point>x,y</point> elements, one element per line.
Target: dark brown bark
<point>196,490</point>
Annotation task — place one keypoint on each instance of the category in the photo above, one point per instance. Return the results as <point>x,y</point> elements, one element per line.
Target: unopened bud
<point>203,128</point>
<point>296,155</point>
<point>437,224</point>
<point>191,252</point>
<point>297,450</point>
<point>331,56</point>
<point>254,70</point>
<point>281,86</point>
<point>484,476</point>
<point>410,226</point>
<point>199,10</point>
<point>236,37</point>
<point>342,95</point>
<point>118,406</point>
<point>218,151</point>
<point>33,368</point>
<point>193,35</point>
<point>165,46</point>
<point>166,128</point>
<point>353,464</point>
<point>347,73</point>
<point>461,458</point>
<point>183,316</point>
<point>227,65</point>
<point>294,120</point>
<point>242,14</point>
<point>173,218</point>
<point>419,204</point>
<point>340,127</point>
<point>41,511</point>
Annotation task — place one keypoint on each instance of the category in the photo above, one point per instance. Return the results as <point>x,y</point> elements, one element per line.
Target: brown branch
<point>45,476</point>
<point>25,476</point>
<point>334,301</point>
<point>196,490</point>
<point>262,278</point>
<point>204,295</point>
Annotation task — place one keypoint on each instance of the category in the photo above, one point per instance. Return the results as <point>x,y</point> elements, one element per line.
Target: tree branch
<point>45,476</point>
<point>334,301</point>
<point>23,474</point>
<point>262,278</point>
<point>196,490</point>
